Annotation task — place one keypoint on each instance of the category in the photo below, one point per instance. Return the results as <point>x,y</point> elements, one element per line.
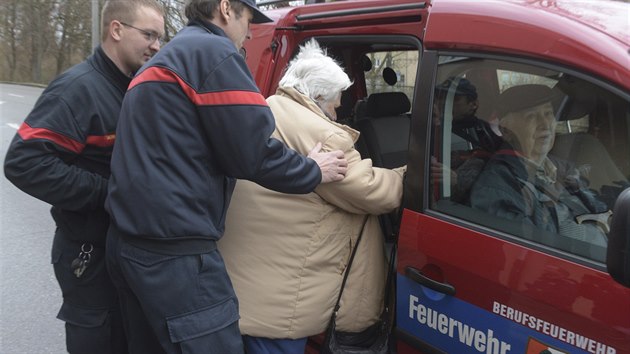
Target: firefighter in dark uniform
<point>61,155</point>
<point>192,122</point>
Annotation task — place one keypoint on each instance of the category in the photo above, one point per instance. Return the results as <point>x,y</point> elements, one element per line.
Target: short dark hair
<point>204,9</point>
<point>124,11</point>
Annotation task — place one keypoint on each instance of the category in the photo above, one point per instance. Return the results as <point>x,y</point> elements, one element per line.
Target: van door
<point>502,250</point>
<point>350,24</point>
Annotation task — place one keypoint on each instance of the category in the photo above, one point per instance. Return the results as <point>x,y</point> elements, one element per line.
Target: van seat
<point>385,129</point>
<point>385,138</point>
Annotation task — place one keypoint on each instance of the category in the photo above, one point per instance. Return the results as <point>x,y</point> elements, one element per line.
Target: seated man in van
<point>463,108</point>
<point>475,135</point>
<point>522,182</point>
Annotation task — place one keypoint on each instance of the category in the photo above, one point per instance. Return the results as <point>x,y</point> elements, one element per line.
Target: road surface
<point>29,295</point>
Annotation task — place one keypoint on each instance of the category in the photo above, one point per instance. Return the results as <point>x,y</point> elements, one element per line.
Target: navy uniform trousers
<point>174,303</point>
<point>90,306</point>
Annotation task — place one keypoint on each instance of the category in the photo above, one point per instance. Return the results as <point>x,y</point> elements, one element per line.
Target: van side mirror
<point>618,253</point>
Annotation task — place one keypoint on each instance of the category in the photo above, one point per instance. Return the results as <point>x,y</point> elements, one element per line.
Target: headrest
<point>576,107</point>
<point>387,104</point>
<point>390,77</point>
<point>366,63</point>
<point>578,99</point>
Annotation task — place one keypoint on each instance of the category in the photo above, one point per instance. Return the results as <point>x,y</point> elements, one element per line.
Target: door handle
<point>415,275</point>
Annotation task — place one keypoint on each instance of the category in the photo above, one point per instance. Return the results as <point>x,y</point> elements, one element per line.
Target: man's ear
<point>115,29</point>
<point>224,9</point>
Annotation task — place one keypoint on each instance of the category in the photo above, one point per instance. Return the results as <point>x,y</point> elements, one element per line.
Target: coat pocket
<point>82,317</point>
<point>202,322</point>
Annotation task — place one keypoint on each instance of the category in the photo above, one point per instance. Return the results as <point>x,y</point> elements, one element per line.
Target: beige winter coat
<point>286,254</point>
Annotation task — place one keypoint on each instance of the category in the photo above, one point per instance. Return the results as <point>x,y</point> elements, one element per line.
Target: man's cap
<point>464,87</point>
<point>518,98</point>
<point>259,17</point>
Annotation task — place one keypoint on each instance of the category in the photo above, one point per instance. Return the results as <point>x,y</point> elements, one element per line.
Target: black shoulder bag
<point>374,339</point>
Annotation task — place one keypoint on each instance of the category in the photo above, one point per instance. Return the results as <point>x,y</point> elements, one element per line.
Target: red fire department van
<point>471,280</point>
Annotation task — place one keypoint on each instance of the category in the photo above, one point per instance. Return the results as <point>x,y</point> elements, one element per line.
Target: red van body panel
<point>508,296</point>
<point>501,277</point>
<point>539,29</point>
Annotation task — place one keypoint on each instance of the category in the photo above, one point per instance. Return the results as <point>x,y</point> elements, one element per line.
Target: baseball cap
<point>464,87</point>
<point>259,17</point>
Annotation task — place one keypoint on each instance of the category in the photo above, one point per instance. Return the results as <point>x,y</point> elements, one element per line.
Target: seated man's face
<point>462,108</point>
<point>532,131</point>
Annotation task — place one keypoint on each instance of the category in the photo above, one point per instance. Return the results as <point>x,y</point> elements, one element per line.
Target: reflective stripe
<point>101,140</point>
<point>27,132</point>
<point>233,97</point>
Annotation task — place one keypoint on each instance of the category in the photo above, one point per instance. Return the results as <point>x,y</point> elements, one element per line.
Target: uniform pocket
<point>82,317</point>
<point>202,322</point>
<point>55,255</point>
<point>143,257</point>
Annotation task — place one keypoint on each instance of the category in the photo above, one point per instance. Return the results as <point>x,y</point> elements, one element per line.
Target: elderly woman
<point>286,254</point>
<point>523,182</point>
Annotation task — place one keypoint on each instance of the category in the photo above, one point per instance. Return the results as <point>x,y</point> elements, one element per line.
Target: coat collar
<point>541,174</point>
<point>102,63</point>
<point>209,27</point>
<point>308,103</point>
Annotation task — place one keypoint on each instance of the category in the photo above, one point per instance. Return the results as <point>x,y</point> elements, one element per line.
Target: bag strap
<point>347,271</point>
<point>390,270</point>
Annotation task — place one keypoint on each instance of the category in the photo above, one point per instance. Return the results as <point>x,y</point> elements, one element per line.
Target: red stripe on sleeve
<point>27,133</point>
<point>234,97</point>
<point>101,140</point>
<point>228,98</point>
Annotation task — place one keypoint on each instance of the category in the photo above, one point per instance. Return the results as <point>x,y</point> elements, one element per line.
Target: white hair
<point>315,74</point>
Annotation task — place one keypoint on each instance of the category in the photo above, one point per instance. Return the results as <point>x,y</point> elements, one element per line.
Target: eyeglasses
<point>151,36</point>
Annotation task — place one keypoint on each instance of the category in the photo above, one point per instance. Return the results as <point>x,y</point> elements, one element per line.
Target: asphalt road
<point>29,295</point>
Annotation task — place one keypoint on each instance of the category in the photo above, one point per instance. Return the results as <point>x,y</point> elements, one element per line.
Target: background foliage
<point>39,39</point>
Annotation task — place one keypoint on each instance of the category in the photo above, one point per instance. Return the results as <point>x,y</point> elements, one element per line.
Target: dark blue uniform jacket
<point>192,121</point>
<point>61,153</point>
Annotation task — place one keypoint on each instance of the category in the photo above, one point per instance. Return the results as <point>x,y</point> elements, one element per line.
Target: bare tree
<point>72,25</point>
<point>41,38</point>
<point>9,36</point>
<point>38,32</point>
<point>174,18</point>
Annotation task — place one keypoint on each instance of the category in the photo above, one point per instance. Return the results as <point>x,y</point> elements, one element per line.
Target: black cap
<point>464,87</point>
<point>522,97</point>
<point>259,17</point>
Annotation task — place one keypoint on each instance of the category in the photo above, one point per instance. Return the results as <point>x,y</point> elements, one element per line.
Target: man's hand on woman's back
<point>332,164</point>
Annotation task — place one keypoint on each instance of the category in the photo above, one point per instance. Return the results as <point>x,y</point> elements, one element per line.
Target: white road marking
<point>14,95</point>
<point>14,126</point>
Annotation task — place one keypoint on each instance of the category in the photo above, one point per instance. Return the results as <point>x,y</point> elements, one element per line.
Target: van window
<point>401,66</point>
<point>532,153</point>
